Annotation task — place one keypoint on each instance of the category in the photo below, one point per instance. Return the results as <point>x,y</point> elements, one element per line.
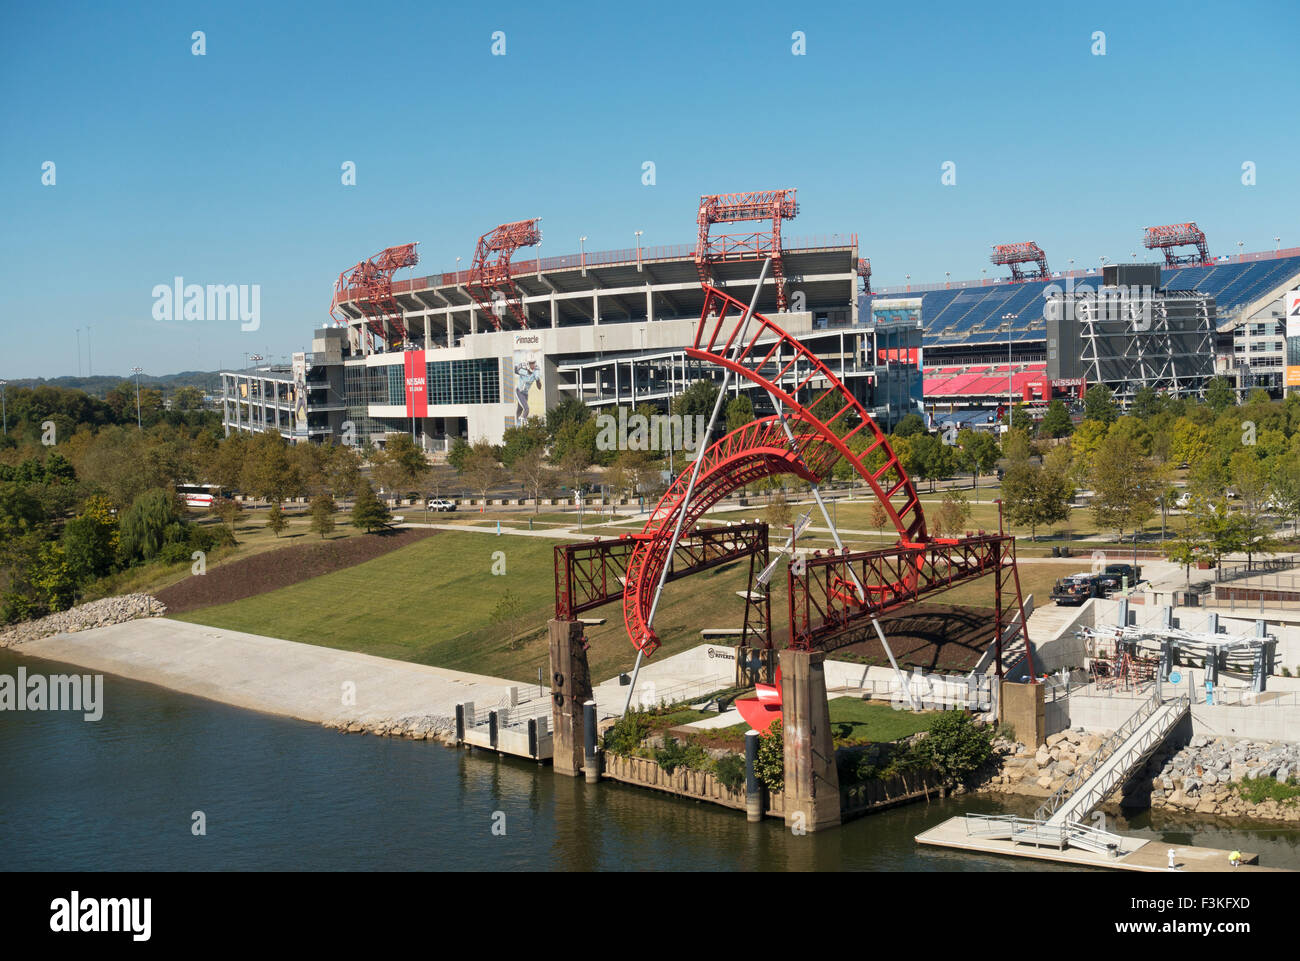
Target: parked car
<point>1077,588</point>
<point>439,504</point>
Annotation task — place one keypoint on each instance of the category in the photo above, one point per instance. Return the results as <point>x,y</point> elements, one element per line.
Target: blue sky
<point>225,168</point>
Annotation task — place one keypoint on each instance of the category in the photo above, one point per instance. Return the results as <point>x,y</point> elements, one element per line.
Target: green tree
<point>1099,404</point>
<point>697,399</point>
<point>1125,486</point>
<point>956,746</point>
<point>535,478</point>
<point>90,540</point>
<point>740,411</point>
<point>481,472</point>
<point>1219,395</point>
<point>1056,422</point>
<point>187,398</point>
<point>778,513</point>
<point>509,614</point>
<point>369,513</point>
<point>523,439</point>
<point>459,451</point>
<point>144,525</point>
<point>1146,403</point>
<point>979,453</point>
<point>909,425</point>
<point>953,514</point>
<point>769,766</point>
<point>322,514</point>
<point>276,522</point>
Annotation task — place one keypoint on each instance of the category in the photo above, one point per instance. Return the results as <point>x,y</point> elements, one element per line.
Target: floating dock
<point>1133,854</point>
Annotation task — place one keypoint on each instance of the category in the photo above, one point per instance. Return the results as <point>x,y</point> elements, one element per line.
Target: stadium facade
<point>470,353</point>
<point>607,328</point>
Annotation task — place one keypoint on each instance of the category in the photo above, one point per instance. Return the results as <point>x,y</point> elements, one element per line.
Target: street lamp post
<point>582,252</point>
<point>138,422</point>
<point>638,248</point>
<point>1277,241</point>
<point>1008,318</point>
<point>1240,255</point>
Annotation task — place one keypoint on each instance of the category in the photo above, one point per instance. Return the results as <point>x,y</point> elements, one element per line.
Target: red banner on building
<point>417,390</point>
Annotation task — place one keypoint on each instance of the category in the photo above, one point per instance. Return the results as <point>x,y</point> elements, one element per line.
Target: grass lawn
<point>432,603</point>
<point>853,722</point>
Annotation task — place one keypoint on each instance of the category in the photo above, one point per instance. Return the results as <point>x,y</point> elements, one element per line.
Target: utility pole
<point>138,422</point>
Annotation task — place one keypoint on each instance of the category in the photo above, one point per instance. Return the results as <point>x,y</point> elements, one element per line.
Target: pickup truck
<point>1077,588</point>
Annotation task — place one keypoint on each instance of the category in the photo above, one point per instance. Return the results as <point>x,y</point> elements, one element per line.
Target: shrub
<point>688,754</point>
<point>626,734</point>
<point>956,747</point>
<point>730,771</point>
<point>1259,789</point>
<point>770,765</point>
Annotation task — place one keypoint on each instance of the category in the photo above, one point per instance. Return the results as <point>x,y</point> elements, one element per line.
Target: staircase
<point>1121,754</point>
<point>1030,831</point>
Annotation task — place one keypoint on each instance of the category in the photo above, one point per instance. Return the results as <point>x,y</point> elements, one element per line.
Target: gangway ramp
<point>1117,758</point>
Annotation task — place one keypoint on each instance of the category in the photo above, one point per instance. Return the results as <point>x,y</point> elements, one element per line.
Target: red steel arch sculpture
<point>796,378</point>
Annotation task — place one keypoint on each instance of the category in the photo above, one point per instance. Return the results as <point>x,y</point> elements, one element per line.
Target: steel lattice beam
<point>368,286</point>
<point>1171,236</point>
<point>490,282</point>
<point>773,205</point>
<point>1014,255</point>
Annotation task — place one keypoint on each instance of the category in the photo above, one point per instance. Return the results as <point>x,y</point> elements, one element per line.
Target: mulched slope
<point>271,570</point>
<point>934,637</point>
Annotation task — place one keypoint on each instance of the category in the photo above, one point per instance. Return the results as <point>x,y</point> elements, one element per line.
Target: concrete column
<point>1022,706</point>
<point>473,321</point>
<point>649,304</point>
<point>812,784</point>
<point>555,311</point>
<point>451,331</point>
<point>595,307</point>
<point>753,788</point>
<point>591,759</point>
<point>570,689</point>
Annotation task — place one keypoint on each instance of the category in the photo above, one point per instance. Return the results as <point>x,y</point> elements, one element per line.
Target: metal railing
<point>1033,831</point>
<point>1103,754</point>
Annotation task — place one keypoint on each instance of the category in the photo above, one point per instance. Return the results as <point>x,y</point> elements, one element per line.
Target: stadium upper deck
<point>967,313</point>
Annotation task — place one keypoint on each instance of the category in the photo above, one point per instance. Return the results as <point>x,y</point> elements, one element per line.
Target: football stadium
<point>471,352</point>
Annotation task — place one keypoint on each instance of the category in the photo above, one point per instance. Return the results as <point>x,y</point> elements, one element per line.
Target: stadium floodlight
<point>1009,317</point>
<point>137,371</point>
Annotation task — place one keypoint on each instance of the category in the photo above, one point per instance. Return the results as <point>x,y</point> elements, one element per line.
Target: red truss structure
<point>864,271</point>
<point>826,604</point>
<point>796,378</point>
<point>369,288</point>
<point>1172,236</point>
<point>591,573</point>
<point>1014,255</point>
<point>490,281</point>
<point>773,205</point>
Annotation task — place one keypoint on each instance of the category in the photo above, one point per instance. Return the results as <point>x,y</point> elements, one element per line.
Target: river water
<point>121,794</point>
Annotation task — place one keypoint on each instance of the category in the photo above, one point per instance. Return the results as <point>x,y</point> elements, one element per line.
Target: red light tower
<point>1013,255</point>
<point>1168,237</point>
<point>490,282</point>
<point>369,288</point>
<point>774,205</point>
<point>864,271</point>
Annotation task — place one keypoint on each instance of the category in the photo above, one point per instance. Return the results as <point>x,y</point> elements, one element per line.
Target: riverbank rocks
<point>101,613</point>
<point>419,727</point>
<point>1201,777</point>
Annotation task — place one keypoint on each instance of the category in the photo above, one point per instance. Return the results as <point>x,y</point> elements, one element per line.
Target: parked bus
<point>200,495</point>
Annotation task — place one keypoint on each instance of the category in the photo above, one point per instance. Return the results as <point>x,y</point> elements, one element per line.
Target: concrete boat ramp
<point>1132,854</point>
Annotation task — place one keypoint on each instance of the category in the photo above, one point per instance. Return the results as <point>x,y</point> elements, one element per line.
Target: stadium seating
<point>973,314</point>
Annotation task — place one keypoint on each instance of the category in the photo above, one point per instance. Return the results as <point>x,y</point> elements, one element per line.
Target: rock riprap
<point>109,610</point>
